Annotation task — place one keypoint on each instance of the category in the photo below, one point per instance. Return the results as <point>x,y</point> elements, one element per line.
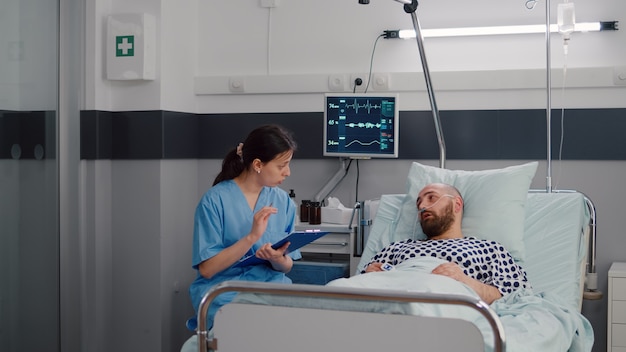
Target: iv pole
<point>410,6</point>
<point>549,101</point>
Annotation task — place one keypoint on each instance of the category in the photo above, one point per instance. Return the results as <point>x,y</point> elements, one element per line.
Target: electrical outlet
<point>380,81</point>
<point>236,84</point>
<point>353,78</point>
<point>619,76</point>
<point>337,83</point>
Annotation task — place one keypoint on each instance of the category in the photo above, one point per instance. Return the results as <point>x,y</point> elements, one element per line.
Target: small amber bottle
<point>304,210</point>
<point>315,213</point>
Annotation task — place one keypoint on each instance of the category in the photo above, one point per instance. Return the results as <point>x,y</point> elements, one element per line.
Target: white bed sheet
<point>531,321</point>
<point>556,250</point>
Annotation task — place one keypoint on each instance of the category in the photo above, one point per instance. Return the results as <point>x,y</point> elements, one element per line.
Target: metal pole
<point>411,8</point>
<point>549,100</point>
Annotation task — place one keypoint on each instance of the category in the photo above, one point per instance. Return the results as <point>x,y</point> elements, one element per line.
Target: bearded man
<point>485,266</point>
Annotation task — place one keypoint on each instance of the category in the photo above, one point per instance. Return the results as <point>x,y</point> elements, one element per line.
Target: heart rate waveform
<point>367,106</point>
<point>361,126</point>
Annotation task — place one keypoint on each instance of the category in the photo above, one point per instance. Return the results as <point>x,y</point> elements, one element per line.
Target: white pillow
<point>495,202</point>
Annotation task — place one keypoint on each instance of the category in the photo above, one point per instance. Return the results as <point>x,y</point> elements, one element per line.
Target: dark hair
<point>263,143</point>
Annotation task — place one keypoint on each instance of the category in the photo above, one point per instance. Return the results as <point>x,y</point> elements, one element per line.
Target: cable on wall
<point>369,77</point>
<point>269,41</point>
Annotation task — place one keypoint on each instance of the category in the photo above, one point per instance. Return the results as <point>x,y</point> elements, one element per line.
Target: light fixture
<point>497,30</point>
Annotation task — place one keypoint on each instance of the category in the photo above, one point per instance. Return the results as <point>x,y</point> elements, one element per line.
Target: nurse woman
<point>242,214</point>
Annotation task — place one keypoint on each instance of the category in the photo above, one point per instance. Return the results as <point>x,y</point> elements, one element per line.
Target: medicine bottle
<point>304,210</point>
<point>315,213</point>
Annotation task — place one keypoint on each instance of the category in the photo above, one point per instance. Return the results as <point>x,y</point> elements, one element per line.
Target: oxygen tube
<point>566,21</point>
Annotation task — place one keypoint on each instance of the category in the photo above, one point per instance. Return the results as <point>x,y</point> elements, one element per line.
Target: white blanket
<point>532,321</point>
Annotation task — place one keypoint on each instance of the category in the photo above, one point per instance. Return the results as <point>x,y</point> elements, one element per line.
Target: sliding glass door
<point>29,211</point>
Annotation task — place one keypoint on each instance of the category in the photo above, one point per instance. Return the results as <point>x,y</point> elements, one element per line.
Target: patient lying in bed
<point>485,266</point>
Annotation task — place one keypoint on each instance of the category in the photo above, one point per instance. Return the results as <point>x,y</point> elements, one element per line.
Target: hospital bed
<point>409,309</point>
<point>550,233</point>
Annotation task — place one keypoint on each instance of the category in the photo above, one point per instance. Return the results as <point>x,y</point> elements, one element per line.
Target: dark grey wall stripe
<point>590,134</point>
<point>221,132</point>
<point>27,134</point>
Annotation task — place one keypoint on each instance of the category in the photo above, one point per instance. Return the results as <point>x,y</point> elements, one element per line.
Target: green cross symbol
<point>125,45</point>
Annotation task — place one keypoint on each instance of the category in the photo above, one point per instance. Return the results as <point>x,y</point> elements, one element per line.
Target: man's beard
<point>438,224</point>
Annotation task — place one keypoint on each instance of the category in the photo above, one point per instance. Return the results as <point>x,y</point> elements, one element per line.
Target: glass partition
<point>29,236</point>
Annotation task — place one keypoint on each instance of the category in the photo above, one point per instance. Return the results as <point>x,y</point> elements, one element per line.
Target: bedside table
<point>616,324</point>
<point>327,258</point>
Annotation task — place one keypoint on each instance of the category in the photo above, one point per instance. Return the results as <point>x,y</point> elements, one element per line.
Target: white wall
<point>284,56</point>
<point>138,221</point>
<point>305,42</point>
<point>298,44</point>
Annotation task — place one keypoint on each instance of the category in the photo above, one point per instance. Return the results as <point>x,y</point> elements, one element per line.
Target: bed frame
<point>313,327</point>
<point>311,330</point>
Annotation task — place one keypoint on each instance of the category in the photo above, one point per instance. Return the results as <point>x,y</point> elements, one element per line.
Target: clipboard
<point>297,240</point>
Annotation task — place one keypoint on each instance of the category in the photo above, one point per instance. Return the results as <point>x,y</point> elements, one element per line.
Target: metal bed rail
<point>205,342</point>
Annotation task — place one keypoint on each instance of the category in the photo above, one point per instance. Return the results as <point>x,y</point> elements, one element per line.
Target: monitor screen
<point>361,126</point>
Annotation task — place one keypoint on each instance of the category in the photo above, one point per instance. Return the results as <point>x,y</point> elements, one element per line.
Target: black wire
<point>369,78</point>
<point>371,64</point>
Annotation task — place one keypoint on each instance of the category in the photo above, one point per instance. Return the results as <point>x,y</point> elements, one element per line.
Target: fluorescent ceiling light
<point>500,30</point>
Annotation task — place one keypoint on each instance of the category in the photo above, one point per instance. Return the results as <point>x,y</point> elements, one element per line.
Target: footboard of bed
<point>241,326</point>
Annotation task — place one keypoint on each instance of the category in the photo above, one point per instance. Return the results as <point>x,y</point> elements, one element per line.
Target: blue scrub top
<point>222,218</point>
